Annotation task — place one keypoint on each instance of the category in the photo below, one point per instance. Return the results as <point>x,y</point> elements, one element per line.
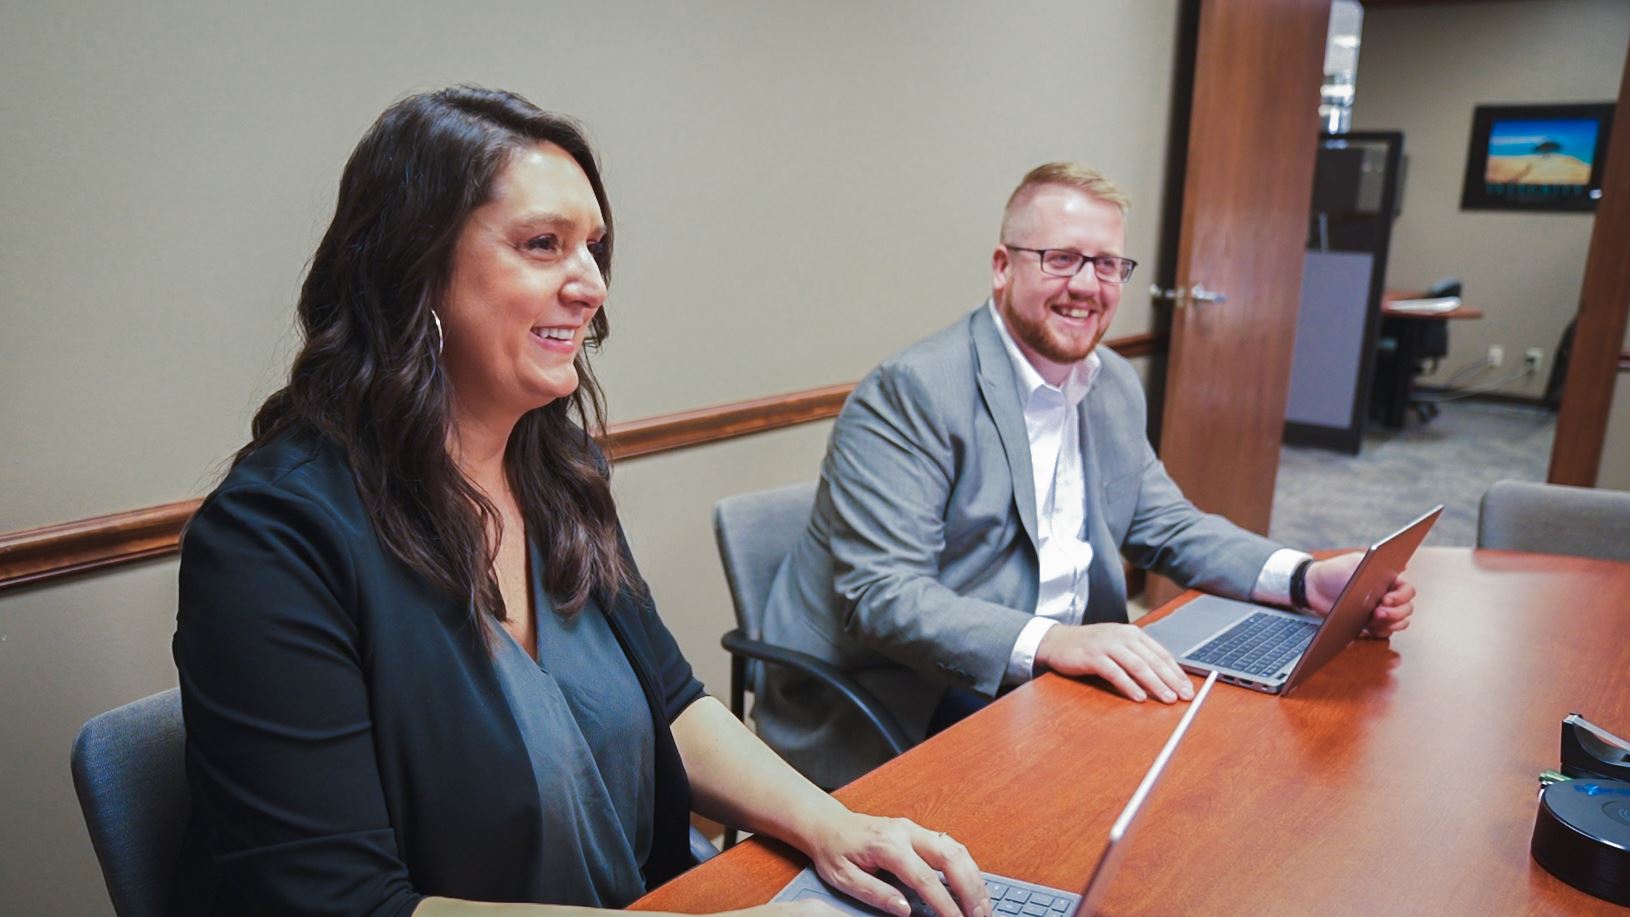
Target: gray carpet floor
<point>1326,499</point>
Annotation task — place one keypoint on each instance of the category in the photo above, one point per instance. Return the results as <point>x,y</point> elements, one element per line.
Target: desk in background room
<point>1395,383</point>
<point>1400,779</point>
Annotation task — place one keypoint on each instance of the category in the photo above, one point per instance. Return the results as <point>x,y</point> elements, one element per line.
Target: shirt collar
<point>1076,384</point>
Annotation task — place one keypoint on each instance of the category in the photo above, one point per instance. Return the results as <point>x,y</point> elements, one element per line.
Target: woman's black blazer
<point>349,748</point>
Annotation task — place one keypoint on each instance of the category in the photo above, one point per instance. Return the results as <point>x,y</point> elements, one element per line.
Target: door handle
<point>1172,295</point>
<point>1199,294</point>
<point>1195,295</point>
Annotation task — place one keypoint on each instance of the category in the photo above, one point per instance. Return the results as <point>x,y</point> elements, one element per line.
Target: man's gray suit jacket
<point>919,568</point>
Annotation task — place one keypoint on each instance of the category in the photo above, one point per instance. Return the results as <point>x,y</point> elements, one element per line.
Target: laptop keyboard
<point>1013,899</point>
<point>1259,645</point>
<point>1007,899</point>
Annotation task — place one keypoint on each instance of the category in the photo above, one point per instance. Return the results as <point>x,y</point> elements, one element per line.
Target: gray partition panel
<point>1324,369</point>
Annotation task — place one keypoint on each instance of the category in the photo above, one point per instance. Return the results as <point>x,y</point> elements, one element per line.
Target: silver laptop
<point>1015,897</point>
<point>1272,650</point>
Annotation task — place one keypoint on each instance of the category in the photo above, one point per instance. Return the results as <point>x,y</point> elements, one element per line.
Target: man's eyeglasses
<point>1061,262</point>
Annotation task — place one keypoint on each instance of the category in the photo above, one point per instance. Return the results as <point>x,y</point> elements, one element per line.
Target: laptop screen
<point>1119,832</point>
<point>1381,565</point>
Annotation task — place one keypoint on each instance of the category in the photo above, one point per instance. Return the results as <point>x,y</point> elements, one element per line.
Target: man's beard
<point>1038,337</point>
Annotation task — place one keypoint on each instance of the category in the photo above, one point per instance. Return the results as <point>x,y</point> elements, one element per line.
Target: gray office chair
<point>132,786</point>
<point>1553,519</point>
<point>129,772</point>
<point>755,533</point>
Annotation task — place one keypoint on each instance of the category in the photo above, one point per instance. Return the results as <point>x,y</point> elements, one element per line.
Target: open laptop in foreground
<point>1272,650</point>
<point>1023,899</point>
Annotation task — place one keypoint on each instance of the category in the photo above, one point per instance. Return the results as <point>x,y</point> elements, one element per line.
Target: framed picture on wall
<point>1537,157</point>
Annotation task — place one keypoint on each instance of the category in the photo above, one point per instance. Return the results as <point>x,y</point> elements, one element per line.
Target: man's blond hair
<point>1088,181</point>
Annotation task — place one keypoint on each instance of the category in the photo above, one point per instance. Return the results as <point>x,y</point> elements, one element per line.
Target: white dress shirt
<point>1052,418</point>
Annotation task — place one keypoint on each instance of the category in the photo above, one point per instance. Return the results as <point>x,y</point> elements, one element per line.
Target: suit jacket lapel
<point>1000,390</point>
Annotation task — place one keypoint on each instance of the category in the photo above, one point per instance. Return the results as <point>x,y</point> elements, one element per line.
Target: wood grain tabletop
<point>1401,779</point>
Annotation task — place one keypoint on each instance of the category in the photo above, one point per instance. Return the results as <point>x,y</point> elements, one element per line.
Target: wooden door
<point>1604,305</point>
<point>1252,134</point>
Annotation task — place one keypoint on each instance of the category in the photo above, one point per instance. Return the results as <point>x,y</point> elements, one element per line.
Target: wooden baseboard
<point>1337,440</point>
<point>55,551</point>
<point>1530,401</point>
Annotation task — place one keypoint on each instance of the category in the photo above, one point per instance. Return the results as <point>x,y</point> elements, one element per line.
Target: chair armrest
<point>830,676</point>
<point>700,847</point>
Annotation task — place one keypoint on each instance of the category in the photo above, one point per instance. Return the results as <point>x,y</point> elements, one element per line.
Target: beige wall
<point>1422,70</point>
<point>801,188</point>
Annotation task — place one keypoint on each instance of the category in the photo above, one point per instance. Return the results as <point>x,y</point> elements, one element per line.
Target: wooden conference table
<point>1400,779</point>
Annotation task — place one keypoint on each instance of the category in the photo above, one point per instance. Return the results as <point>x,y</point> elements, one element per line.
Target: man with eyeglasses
<point>978,491</point>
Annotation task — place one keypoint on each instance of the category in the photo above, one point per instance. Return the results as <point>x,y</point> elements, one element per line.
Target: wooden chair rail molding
<point>56,551</point>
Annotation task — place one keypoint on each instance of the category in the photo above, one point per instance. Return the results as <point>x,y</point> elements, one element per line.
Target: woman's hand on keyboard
<point>854,847</point>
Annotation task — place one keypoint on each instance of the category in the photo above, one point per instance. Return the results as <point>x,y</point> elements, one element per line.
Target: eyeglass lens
<point>1064,263</point>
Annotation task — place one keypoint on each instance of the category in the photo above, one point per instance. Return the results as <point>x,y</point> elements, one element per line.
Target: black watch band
<point>1298,585</point>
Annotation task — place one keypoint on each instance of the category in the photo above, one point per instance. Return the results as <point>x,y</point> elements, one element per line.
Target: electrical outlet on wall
<point>1496,355</point>
<point>1532,360</point>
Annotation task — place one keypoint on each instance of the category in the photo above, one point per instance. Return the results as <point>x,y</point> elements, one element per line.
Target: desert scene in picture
<point>1533,152</point>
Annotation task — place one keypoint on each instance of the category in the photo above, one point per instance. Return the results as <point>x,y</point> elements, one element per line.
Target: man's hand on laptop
<point>1123,655</point>
<point>1325,579</point>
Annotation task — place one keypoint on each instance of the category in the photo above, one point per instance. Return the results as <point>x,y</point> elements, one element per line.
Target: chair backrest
<point>1433,343</point>
<point>1445,286</point>
<point>129,772</point>
<point>1553,519</point>
<point>755,533</point>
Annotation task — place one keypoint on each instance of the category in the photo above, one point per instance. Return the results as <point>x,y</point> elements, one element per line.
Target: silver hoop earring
<point>440,339</point>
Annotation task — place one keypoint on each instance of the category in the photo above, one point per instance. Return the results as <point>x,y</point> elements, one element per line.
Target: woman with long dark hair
<point>418,665</point>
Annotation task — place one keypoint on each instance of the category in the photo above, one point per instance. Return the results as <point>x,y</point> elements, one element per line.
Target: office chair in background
<point>1434,344</point>
<point>130,775</point>
<point>1559,367</point>
<point>1406,348</point>
<point>1431,346</point>
<point>755,532</point>
<point>1554,519</point>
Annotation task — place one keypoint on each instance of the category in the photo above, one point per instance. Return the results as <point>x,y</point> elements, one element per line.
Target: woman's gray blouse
<point>587,727</point>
